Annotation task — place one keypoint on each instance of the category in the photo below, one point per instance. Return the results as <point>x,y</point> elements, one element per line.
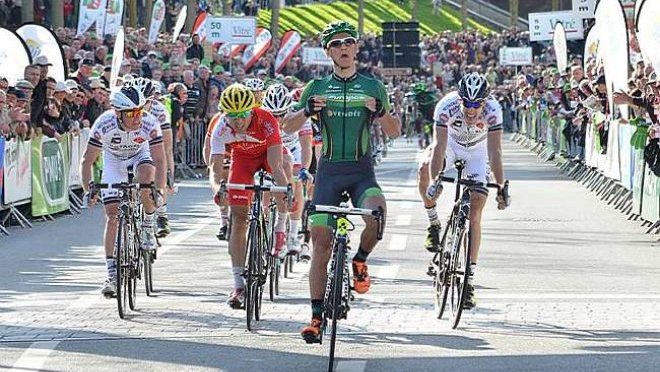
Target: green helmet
<point>337,27</point>
<point>419,88</point>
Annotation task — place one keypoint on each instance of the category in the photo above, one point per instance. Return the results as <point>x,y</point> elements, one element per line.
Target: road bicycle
<point>338,290</point>
<point>260,263</point>
<point>451,264</point>
<point>132,262</point>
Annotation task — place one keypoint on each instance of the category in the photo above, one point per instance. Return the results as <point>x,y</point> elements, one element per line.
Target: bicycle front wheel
<point>459,274</point>
<point>441,280</point>
<point>335,298</point>
<point>134,269</point>
<point>251,277</point>
<point>121,263</point>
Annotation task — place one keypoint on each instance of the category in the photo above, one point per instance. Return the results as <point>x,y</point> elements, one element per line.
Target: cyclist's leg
<point>146,173</point>
<point>114,171</point>
<point>325,193</point>
<point>366,193</point>
<point>293,244</point>
<point>477,168</point>
<point>165,169</point>
<point>280,166</point>
<point>423,181</point>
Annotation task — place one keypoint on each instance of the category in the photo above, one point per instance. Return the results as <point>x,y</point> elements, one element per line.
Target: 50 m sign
<point>232,30</point>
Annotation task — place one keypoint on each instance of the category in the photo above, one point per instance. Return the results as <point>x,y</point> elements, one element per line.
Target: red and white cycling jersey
<point>448,114</point>
<point>262,133</point>
<point>107,135</point>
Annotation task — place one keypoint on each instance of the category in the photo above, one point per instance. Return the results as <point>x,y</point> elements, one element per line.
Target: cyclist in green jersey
<point>346,103</point>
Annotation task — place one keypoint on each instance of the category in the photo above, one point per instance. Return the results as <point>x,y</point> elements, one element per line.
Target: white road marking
<point>567,296</point>
<point>34,357</point>
<point>397,242</point>
<point>386,271</point>
<point>403,220</point>
<point>351,366</point>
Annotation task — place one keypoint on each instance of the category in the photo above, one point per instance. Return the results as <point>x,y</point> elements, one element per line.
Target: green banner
<point>651,198</point>
<point>50,175</point>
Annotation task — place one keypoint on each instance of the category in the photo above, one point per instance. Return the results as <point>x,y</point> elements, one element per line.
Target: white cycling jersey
<point>448,114</point>
<point>107,135</point>
<point>160,112</point>
<point>291,142</point>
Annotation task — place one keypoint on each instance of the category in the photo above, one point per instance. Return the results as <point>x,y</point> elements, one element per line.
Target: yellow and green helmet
<point>337,27</point>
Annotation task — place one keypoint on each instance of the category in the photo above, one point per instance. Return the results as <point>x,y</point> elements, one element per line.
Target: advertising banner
<point>2,166</point>
<point>626,155</point>
<point>74,166</point>
<point>648,32</point>
<point>638,182</point>
<point>612,166</point>
<point>584,8</point>
<point>316,56</point>
<point>515,56</point>
<point>17,171</point>
<point>50,175</point>
<point>41,41</point>
<point>232,30</point>
<point>651,197</point>
<point>542,25</point>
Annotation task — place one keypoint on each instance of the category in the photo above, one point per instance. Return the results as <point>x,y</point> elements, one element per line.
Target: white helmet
<point>473,87</point>
<point>254,85</point>
<point>143,85</point>
<point>277,99</point>
<point>158,87</point>
<point>126,98</point>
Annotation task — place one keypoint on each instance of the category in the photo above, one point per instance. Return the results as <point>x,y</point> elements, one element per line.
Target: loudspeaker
<point>400,33</point>
<point>402,57</point>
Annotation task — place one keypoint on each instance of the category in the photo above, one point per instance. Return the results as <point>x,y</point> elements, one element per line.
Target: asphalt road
<point>564,283</point>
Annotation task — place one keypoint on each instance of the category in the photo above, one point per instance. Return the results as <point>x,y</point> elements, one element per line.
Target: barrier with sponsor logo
<point>17,187</point>
<point>50,175</point>
<point>617,172</point>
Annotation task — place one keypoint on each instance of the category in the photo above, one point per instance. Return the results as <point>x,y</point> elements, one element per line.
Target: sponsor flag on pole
<point>113,17</point>
<point>89,13</point>
<point>157,17</point>
<point>199,27</point>
<point>117,57</point>
<point>559,43</point>
<point>41,41</point>
<point>291,43</point>
<point>14,56</point>
<point>180,22</point>
<point>253,52</point>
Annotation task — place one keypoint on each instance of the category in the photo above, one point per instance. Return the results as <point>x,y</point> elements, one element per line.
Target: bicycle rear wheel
<point>134,268</point>
<point>460,273</point>
<point>274,277</point>
<point>335,299</point>
<point>263,268</point>
<point>121,246</point>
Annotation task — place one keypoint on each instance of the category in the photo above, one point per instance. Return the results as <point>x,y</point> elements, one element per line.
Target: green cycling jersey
<point>345,121</point>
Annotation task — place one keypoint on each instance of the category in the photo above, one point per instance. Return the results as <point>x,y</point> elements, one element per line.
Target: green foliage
<point>310,20</point>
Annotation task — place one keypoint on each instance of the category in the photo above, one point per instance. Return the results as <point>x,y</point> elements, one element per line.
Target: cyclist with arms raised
<point>127,138</point>
<point>346,103</point>
<point>253,136</point>
<point>468,126</point>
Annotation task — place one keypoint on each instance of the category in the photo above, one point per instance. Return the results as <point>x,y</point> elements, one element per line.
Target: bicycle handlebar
<point>238,186</point>
<point>466,182</point>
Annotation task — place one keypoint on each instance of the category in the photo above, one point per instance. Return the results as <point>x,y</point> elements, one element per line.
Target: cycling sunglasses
<point>239,115</point>
<point>472,104</point>
<point>337,43</point>
<point>130,114</point>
